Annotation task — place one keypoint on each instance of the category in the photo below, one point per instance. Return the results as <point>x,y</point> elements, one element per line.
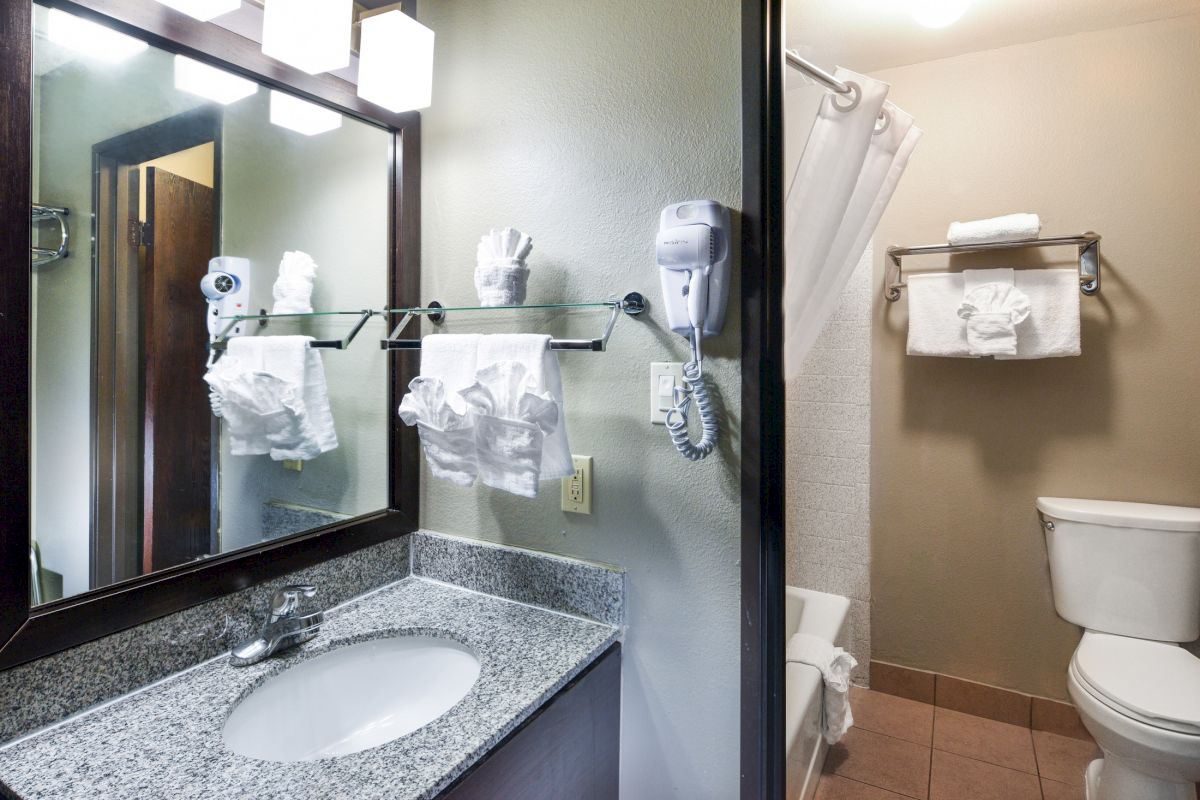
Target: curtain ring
<point>855,90</point>
<point>883,122</point>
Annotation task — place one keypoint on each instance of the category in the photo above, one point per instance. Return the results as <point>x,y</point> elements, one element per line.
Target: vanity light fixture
<point>938,13</point>
<point>90,39</point>
<point>395,62</point>
<point>203,10</point>
<point>310,35</point>
<point>210,82</point>
<point>302,116</point>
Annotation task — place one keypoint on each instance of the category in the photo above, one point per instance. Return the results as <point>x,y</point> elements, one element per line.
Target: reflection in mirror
<point>171,163</point>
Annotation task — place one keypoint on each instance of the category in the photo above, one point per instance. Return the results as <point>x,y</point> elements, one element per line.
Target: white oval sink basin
<point>352,698</point>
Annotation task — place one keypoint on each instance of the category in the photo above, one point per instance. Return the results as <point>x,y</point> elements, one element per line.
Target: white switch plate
<point>577,489</point>
<point>660,402</point>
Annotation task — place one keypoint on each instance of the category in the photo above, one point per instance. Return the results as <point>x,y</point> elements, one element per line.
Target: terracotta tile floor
<point>901,749</point>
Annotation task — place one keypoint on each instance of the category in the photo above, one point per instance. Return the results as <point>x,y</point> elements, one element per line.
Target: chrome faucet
<point>283,629</point>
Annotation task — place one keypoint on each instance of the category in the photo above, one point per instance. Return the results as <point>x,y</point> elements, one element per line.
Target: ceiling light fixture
<point>310,35</point>
<point>302,116</point>
<point>938,13</point>
<point>91,39</point>
<point>395,62</point>
<point>210,82</point>
<point>203,10</point>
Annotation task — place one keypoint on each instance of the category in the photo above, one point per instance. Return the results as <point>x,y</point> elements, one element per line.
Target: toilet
<point>1129,574</point>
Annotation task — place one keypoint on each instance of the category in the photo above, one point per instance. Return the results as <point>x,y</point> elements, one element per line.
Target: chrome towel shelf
<point>631,305</point>
<point>1089,259</point>
<point>44,255</point>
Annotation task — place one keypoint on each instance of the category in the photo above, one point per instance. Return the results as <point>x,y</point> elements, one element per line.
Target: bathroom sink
<point>351,699</point>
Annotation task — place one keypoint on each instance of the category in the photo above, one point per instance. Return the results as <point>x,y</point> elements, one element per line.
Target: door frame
<point>763,756</point>
<point>180,132</point>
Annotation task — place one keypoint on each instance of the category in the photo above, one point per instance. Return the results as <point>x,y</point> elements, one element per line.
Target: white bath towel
<point>274,398</point>
<point>1050,330</point>
<point>992,307</point>
<point>447,437</point>
<point>835,665</point>
<point>533,350</point>
<point>1009,228</point>
<point>452,359</point>
<point>293,288</point>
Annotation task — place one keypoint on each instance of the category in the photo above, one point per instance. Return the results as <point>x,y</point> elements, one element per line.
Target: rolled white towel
<point>835,665</point>
<point>1009,228</point>
<point>293,288</point>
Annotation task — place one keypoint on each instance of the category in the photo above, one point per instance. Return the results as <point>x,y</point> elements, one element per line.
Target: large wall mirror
<point>170,192</point>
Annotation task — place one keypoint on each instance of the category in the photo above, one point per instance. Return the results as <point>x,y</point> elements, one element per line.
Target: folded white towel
<point>293,288</point>
<point>835,665</point>
<point>274,398</point>
<point>501,276</point>
<point>533,350</point>
<point>447,437</point>
<point>1009,228</point>
<point>1050,330</point>
<point>451,358</point>
<point>992,312</point>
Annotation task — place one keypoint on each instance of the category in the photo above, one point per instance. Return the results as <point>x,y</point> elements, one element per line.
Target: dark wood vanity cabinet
<point>570,748</point>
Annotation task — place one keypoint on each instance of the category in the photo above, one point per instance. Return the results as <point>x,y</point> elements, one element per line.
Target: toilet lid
<point>1157,682</point>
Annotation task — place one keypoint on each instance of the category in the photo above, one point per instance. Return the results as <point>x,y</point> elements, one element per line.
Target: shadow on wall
<point>1045,399</point>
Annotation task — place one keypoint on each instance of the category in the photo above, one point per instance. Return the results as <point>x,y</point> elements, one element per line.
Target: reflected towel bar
<point>41,213</point>
<point>1089,259</point>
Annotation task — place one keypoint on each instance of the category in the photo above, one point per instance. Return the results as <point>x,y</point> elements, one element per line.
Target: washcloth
<point>835,665</point>
<point>451,358</point>
<point>293,288</point>
<point>533,350</point>
<point>1009,228</point>
<point>992,307</point>
<point>511,423</point>
<point>274,398</point>
<point>447,437</point>
<point>1050,330</point>
<point>501,276</point>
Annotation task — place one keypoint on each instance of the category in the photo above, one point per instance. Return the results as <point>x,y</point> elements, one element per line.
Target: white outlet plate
<point>577,489</point>
<point>662,399</point>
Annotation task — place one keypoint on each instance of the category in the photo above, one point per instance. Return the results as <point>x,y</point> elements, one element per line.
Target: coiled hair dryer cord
<point>697,392</point>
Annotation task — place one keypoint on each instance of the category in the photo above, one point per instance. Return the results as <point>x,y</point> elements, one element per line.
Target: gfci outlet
<point>665,377</point>
<point>577,489</point>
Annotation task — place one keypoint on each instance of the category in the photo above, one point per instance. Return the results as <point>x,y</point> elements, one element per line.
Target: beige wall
<point>1096,131</point>
<point>577,123</point>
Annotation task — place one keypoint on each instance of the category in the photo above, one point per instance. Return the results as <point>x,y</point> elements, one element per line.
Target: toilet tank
<point>1131,569</point>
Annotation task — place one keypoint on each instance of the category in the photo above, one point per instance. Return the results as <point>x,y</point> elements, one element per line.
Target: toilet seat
<point>1157,683</point>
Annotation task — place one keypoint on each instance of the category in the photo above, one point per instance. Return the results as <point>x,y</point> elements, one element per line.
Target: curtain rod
<point>797,61</point>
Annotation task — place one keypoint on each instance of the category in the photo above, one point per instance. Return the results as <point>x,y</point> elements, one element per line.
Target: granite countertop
<point>164,741</point>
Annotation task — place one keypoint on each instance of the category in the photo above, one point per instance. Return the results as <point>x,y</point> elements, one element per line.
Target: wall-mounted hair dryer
<point>693,254</point>
<point>227,288</point>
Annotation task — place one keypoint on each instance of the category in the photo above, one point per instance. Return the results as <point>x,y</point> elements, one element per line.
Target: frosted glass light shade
<point>311,35</point>
<point>938,13</point>
<point>395,62</point>
<point>302,116</point>
<point>90,39</point>
<point>210,82</point>
<point>203,10</point>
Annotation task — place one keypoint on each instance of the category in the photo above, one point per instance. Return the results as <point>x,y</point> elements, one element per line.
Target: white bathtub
<point>822,615</point>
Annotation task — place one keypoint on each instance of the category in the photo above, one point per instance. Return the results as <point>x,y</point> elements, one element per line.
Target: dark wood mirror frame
<point>28,632</point>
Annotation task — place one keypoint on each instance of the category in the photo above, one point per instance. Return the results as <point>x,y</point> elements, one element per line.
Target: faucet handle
<point>286,600</point>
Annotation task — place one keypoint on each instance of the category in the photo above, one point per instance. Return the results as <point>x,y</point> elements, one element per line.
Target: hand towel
<point>533,350</point>
<point>835,665</point>
<point>447,437</point>
<point>511,423</point>
<point>293,288</point>
<point>1050,330</point>
<point>1009,228</point>
<point>274,397</point>
<point>452,359</point>
<point>992,307</point>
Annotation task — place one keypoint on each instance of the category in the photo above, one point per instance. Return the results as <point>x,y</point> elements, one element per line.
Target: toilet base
<point>1110,779</point>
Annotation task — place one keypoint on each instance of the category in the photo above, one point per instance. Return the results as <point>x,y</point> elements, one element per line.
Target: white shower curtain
<point>841,186</point>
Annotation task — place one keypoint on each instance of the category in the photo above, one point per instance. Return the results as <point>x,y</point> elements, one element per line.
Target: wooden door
<point>177,480</point>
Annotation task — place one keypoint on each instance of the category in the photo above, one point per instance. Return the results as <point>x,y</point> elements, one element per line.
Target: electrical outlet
<point>665,377</point>
<point>577,489</point>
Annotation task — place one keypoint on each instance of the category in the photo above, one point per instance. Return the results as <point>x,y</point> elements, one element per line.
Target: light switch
<point>577,489</point>
<point>665,376</point>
